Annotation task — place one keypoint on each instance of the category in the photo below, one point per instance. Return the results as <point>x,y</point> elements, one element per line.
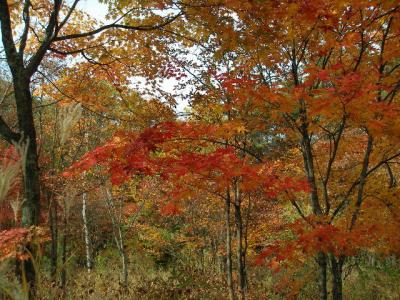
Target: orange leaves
<point>323,75</point>
<point>10,239</point>
<point>326,238</point>
<point>13,240</point>
<point>350,39</point>
<point>130,209</point>
<point>309,241</point>
<point>189,157</point>
<point>170,209</point>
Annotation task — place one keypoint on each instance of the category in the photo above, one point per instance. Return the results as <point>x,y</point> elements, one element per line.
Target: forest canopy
<point>200,149</point>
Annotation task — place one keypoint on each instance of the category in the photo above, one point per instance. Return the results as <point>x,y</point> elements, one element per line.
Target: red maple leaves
<point>12,241</point>
<point>178,150</point>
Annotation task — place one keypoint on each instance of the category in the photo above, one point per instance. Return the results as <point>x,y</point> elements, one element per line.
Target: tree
<point>24,60</point>
<point>193,157</point>
<point>25,56</point>
<point>326,72</point>
<point>280,90</point>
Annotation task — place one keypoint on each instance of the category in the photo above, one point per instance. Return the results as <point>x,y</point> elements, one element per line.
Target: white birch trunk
<point>89,261</point>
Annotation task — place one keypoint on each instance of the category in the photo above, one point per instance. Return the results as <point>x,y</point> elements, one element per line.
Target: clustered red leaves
<point>341,89</point>
<point>315,238</point>
<point>167,150</point>
<point>14,240</point>
<point>10,156</point>
<point>171,208</point>
<point>341,78</point>
<point>130,209</point>
<point>10,240</point>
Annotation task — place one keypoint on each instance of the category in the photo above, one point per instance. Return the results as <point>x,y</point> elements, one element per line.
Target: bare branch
<point>345,200</point>
<point>71,10</point>
<point>24,37</point>
<point>7,38</point>
<point>36,59</point>
<point>120,26</point>
<point>7,133</point>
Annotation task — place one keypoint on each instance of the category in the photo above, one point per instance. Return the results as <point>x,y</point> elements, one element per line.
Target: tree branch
<point>363,178</point>
<point>36,59</point>
<point>120,26</point>
<point>24,37</point>
<point>71,10</point>
<point>345,200</point>
<point>7,38</point>
<point>6,132</point>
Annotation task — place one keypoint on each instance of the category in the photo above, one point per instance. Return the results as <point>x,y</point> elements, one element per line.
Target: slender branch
<point>24,37</point>
<point>120,26</point>
<point>362,46</point>
<point>77,51</point>
<point>363,177</point>
<point>36,59</point>
<point>392,179</point>
<point>332,157</point>
<point>7,93</point>
<point>345,200</point>
<point>66,18</point>
<point>225,143</point>
<point>8,39</point>
<point>299,211</point>
<point>7,133</point>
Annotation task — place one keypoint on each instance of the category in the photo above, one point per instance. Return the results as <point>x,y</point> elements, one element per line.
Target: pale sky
<point>99,11</point>
<point>94,8</point>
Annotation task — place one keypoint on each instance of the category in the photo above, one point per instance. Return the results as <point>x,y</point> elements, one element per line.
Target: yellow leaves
<point>236,126</point>
<point>293,9</point>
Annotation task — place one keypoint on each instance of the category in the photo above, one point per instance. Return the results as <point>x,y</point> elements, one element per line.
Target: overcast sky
<point>94,8</point>
<point>99,11</point>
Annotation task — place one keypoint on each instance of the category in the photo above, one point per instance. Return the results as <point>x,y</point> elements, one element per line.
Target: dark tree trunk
<point>31,206</point>
<point>27,134</point>
<point>239,241</point>
<point>308,160</point>
<point>25,272</point>
<point>337,271</point>
<point>322,276</point>
<point>229,277</point>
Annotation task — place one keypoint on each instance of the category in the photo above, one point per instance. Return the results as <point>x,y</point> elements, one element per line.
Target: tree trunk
<point>245,242</point>
<point>31,205</point>
<point>337,271</point>
<point>64,255</point>
<point>88,244</point>
<point>30,211</point>
<point>239,242</point>
<point>229,277</point>
<point>124,261</point>
<point>53,218</point>
<point>322,278</point>
<point>116,219</point>
<point>308,160</point>
<point>25,273</point>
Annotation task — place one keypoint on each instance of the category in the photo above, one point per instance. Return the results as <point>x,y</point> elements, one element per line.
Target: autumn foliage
<point>286,155</point>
